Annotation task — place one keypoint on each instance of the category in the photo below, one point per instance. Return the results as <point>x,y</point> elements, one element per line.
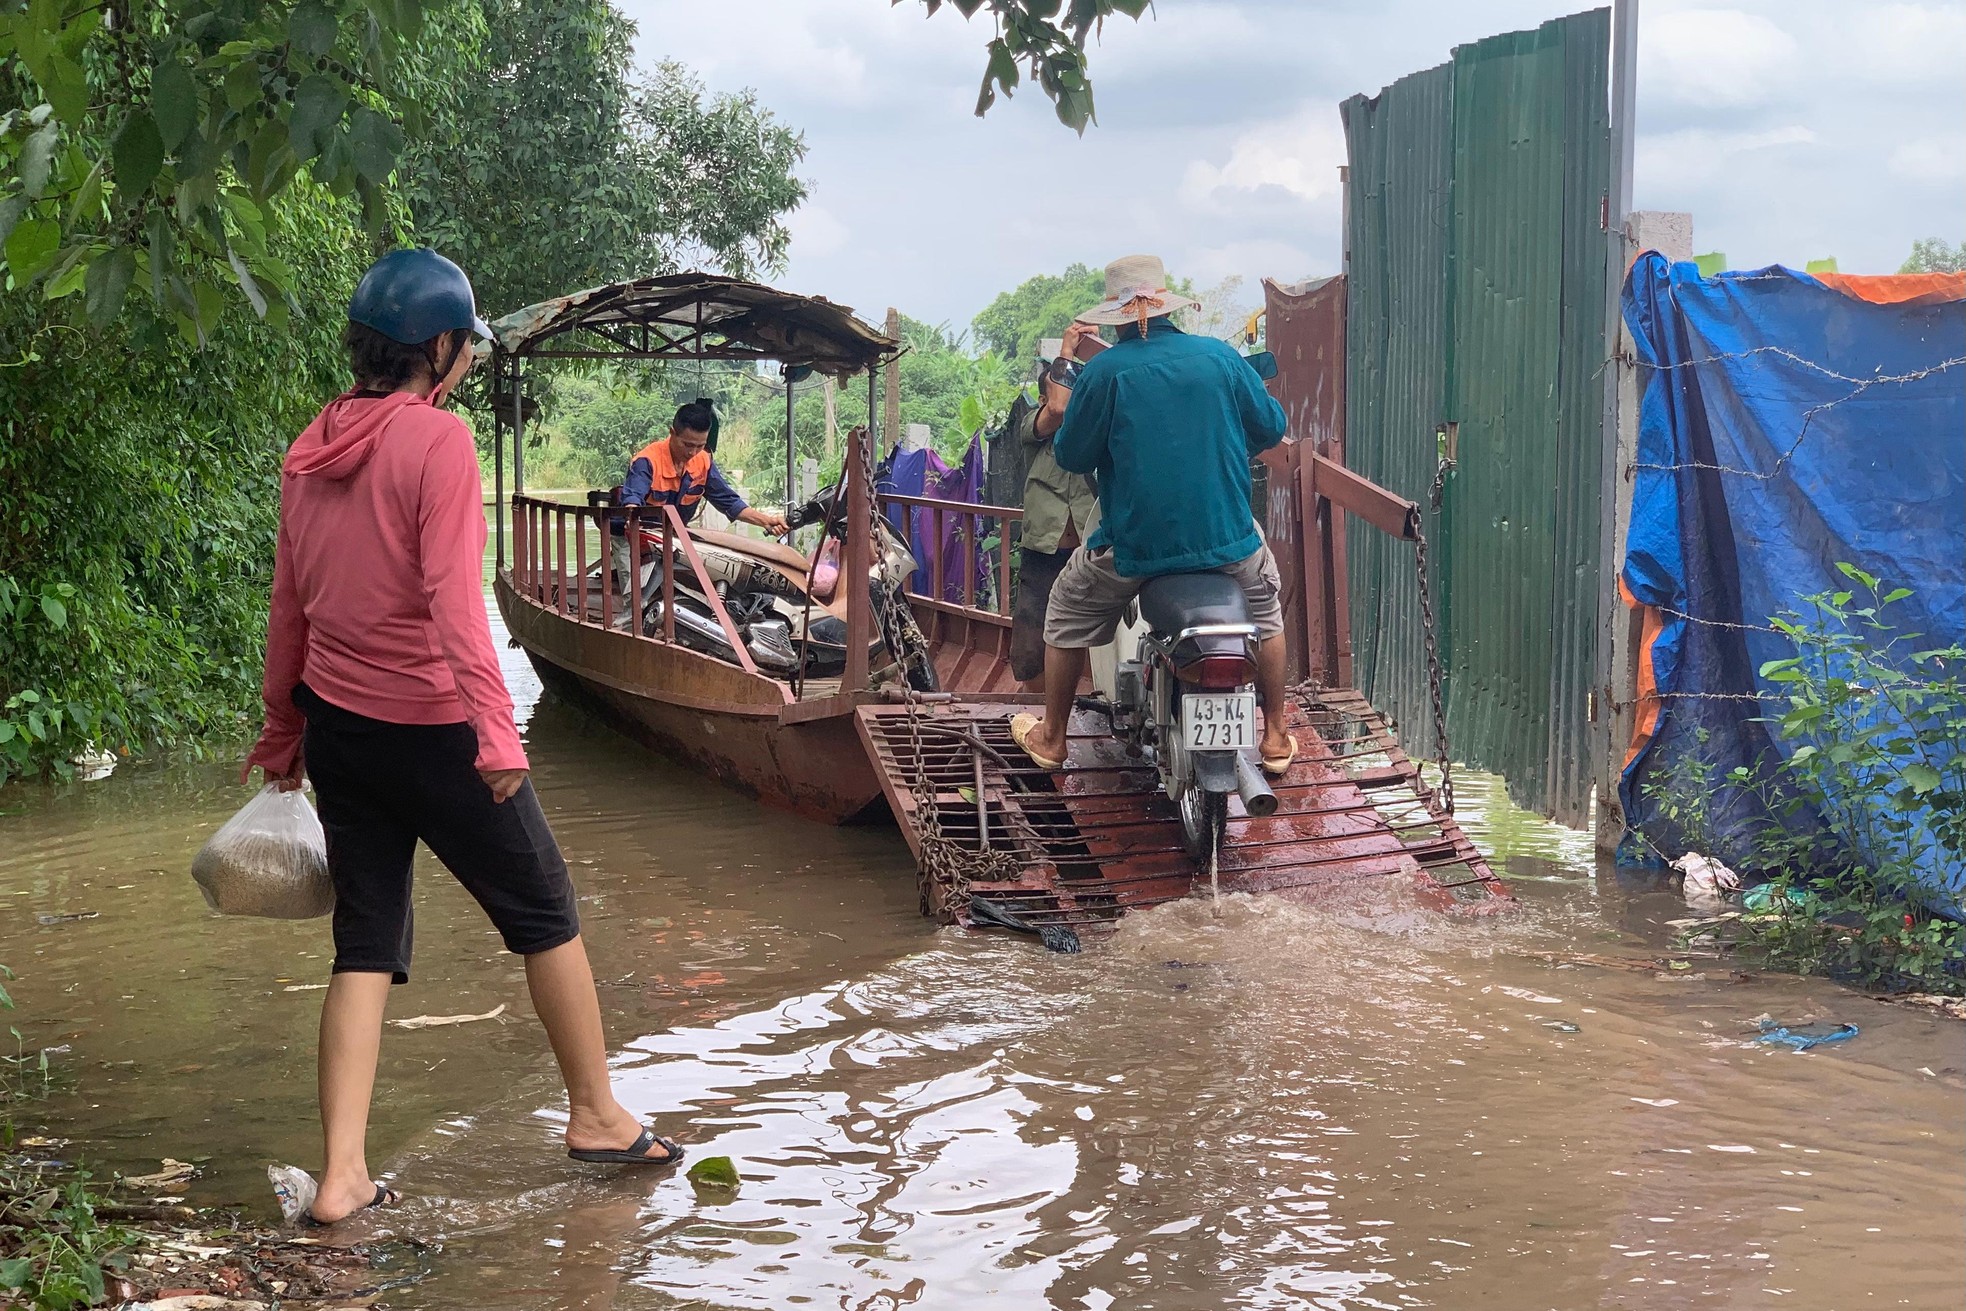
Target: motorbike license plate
<point>1218,721</point>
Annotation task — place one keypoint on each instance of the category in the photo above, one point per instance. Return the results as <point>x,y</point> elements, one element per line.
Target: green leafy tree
<point>1015,322</point>
<point>605,416</point>
<point>552,168</point>
<point>140,481</point>
<point>1934,255</point>
<point>141,145</point>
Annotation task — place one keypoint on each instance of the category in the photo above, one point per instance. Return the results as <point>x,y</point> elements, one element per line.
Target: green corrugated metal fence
<point>1475,249</point>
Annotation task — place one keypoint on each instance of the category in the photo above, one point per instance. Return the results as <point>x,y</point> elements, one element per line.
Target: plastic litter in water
<point>1804,1036</point>
<point>295,1189</point>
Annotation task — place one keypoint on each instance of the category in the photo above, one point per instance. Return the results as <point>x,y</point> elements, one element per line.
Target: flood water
<point>1329,1104</point>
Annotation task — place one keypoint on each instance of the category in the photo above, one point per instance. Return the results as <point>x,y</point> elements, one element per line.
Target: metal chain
<point>1434,678</point>
<point>943,860</point>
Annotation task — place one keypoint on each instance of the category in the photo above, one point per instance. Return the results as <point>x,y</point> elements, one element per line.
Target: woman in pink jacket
<point>383,686</point>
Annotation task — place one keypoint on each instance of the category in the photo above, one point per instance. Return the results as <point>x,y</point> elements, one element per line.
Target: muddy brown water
<point>1345,1103</point>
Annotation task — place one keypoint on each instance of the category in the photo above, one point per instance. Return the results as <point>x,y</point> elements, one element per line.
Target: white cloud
<point>1713,58</point>
<point>1281,260</point>
<point>1895,44</point>
<point>1789,128</point>
<point>1697,156</point>
<point>1933,160</point>
<point>1298,156</point>
<point>817,231</point>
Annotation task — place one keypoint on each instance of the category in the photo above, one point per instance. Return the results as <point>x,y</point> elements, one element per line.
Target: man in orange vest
<point>678,470</point>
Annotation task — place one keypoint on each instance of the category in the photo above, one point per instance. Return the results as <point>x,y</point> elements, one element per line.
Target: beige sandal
<point>1274,766</point>
<point>1020,729</point>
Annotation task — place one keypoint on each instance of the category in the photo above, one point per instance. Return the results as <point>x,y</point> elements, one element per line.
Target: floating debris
<point>714,1172</point>
<point>444,1021</point>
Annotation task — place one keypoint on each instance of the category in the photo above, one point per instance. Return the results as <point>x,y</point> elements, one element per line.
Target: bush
<point>141,497</point>
<point>1865,793</point>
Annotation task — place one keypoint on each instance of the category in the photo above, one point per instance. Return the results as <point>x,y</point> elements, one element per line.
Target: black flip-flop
<point>384,1196</point>
<point>636,1153</point>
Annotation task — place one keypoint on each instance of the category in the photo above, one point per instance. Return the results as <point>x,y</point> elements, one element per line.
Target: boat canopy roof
<point>695,316</point>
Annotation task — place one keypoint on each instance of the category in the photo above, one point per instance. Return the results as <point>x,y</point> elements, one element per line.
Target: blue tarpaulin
<point>1787,424</point>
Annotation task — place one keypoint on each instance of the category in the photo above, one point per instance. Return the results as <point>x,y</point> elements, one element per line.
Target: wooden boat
<point>794,747</point>
<point>996,839</point>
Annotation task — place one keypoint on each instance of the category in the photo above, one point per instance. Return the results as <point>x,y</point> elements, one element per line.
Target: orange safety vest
<point>670,485</point>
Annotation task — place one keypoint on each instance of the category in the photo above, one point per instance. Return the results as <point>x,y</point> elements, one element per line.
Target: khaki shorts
<point>1090,596</point>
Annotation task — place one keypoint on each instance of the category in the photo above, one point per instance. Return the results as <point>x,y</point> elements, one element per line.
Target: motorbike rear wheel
<point>1204,817</point>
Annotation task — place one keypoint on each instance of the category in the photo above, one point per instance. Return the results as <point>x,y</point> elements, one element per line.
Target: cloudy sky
<point>1790,129</point>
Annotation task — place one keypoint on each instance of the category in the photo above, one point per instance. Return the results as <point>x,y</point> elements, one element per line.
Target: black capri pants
<point>379,788</point>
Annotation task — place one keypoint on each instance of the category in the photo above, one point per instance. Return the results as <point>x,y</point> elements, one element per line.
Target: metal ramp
<point>1098,838</point>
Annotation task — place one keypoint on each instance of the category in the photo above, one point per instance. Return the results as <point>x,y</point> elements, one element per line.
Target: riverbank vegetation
<point>1863,794</point>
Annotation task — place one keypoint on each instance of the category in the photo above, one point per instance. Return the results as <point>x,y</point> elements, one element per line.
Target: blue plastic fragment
<point>1804,1036</point>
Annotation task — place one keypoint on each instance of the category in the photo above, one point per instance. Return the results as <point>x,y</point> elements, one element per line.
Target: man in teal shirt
<point>1169,424</point>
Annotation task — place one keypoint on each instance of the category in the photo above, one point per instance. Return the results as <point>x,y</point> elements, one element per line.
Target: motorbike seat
<point>1173,602</point>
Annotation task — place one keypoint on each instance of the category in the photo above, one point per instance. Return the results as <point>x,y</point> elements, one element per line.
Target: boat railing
<point>972,582</point>
<point>546,574</point>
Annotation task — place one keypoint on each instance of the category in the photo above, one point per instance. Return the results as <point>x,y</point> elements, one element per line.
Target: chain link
<point>1427,631</point>
<point>943,859</point>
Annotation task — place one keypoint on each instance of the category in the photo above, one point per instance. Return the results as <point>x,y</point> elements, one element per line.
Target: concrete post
<point>1608,824</point>
<point>1672,236</point>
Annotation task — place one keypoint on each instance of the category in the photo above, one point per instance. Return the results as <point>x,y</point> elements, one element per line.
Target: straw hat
<point>1136,290</point>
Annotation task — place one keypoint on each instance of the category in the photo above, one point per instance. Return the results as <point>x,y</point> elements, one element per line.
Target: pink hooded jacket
<point>378,598</point>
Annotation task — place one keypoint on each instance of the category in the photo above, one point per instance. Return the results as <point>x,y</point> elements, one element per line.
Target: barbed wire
<point>1719,623</point>
<point>1858,387</point>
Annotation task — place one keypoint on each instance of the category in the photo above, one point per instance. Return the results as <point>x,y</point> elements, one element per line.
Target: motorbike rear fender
<point>1215,771</point>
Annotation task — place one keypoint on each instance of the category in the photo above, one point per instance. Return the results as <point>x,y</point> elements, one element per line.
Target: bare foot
<point>342,1196</point>
<point>612,1131</point>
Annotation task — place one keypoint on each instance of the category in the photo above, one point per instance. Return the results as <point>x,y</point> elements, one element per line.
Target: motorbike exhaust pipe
<point>1257,798</point>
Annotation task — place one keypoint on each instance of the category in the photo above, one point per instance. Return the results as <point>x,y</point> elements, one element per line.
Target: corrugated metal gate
<point>1475,251</point>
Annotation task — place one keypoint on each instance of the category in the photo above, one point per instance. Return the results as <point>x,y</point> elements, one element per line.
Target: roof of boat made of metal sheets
<point>699,315</point>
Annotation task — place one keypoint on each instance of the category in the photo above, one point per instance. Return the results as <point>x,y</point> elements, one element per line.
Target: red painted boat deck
<point>1098,838</point>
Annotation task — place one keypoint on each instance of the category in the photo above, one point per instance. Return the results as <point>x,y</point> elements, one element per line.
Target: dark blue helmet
<point>413,295</point>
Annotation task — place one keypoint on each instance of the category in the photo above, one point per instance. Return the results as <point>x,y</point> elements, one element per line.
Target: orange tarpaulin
<point>1898,288</point>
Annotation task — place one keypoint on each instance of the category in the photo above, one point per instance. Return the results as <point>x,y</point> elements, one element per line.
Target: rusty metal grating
<point>1097,838</point>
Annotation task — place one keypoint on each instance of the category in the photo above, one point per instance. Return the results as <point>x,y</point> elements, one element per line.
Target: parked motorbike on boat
<point>789,612</point>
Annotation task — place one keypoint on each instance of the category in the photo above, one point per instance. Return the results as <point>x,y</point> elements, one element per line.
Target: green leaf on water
<point>714,1172</point>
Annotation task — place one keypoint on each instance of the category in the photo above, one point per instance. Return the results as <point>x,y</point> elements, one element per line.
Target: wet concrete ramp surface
<point>1098,838</point>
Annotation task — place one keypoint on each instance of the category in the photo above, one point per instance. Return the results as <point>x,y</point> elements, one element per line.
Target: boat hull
<point>713,717</point>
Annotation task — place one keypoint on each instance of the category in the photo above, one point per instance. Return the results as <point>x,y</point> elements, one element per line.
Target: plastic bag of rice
<point>269,860</point>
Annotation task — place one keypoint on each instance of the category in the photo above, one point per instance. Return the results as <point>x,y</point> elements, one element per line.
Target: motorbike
<point>790,614</point>
<point>1179,683</point>
<point>1179,679</point>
